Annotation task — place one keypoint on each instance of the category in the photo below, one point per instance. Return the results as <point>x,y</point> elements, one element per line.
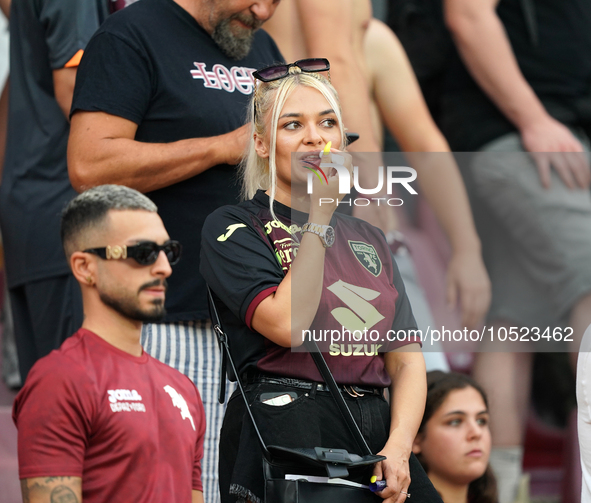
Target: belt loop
<point>313,390</point>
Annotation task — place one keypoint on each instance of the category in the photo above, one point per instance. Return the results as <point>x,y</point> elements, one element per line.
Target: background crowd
<point>155,99</point>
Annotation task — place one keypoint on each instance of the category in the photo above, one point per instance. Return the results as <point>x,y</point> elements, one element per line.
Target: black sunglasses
<point>145,253</point>
<point>276,72</point>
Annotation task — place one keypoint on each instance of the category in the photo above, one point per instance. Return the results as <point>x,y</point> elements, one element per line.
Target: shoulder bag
<point>328,462</point>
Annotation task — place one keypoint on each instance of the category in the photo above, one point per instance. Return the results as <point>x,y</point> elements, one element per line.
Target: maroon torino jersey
<point>131,427</point>
<point>245,255</point>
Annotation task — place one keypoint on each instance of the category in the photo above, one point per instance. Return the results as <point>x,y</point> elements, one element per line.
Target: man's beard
<point>235,46</point>
<point>129,307</point>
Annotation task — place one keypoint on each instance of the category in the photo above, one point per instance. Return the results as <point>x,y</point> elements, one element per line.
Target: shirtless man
<point>391,94</point>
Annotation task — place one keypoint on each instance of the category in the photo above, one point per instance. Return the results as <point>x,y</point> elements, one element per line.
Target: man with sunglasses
<point>99,419</point>
<point>160,105</point>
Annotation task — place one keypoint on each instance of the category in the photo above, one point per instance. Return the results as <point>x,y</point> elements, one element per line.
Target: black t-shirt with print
<point>246,253</point>
<point>152,64</point>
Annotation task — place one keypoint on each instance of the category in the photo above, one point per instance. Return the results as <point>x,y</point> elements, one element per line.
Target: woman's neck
<point>285,197</point>
<point>450,492</point>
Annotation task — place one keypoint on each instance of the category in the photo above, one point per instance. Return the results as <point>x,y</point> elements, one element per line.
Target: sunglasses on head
<point>144,253</point>
<point>276,72</point>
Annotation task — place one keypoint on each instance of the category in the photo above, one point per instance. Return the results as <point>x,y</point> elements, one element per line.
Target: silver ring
<point>407,494</point>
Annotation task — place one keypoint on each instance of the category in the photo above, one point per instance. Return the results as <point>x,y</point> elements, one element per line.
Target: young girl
<point>453,443</point>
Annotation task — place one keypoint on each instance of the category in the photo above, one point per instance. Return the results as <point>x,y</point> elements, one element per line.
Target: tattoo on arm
<point>63,494</point>
<point>52,490</point>
<point>25,491</point>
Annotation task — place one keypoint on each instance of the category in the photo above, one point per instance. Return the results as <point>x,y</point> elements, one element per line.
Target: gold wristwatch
<point>324,232</point>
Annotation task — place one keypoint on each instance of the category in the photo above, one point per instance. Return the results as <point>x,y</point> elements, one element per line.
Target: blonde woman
<point>280,264</point>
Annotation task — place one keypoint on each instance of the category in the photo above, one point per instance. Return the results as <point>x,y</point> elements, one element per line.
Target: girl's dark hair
<point>439,386</point>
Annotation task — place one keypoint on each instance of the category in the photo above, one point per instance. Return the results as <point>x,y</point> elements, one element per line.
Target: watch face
<point>329,236</point>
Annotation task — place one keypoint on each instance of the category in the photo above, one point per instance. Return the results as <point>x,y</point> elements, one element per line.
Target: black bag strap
<point>223,342</point>
<point>336,394</point>
<point>224,357</point>
<point>320,363</point>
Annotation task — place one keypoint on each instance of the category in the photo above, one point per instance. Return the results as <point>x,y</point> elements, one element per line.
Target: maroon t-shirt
<point>131,427</point>
<point>245,255</point>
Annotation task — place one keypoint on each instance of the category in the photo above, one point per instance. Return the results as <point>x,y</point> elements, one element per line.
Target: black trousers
<point>311,420</point>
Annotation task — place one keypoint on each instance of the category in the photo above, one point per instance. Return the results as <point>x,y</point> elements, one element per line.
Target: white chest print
<point>179,401</point>
<point>125,400</point>
<point>237,78</point>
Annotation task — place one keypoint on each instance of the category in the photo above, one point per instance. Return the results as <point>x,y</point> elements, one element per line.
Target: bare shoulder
<point>379,38</point>
<point>383,52</point>
<point>377,29</point>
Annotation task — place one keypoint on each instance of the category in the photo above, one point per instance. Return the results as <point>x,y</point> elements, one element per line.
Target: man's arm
<point>405,113</point>
<point>397,93</point>
<point>197,497</point>
<point>54,490</point>
<point>63,88</point>
<point>5,7</point>
<point>102,149</point>
<point>485,48</point>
